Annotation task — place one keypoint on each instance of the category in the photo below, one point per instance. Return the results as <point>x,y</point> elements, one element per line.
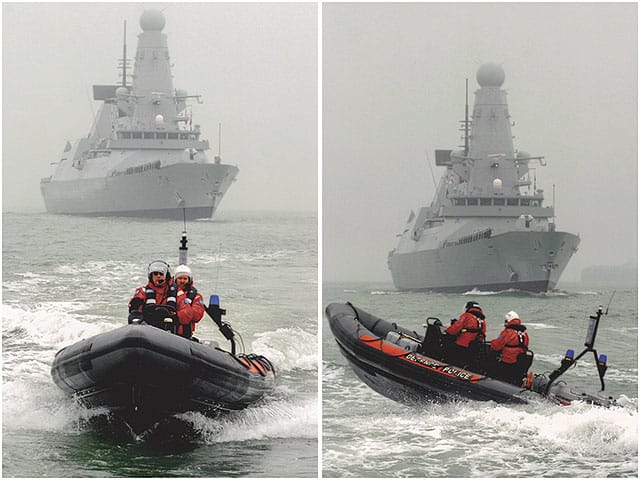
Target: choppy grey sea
<point>367,435</point>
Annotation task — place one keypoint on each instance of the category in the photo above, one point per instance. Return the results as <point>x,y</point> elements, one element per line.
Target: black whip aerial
<point>182,251</point>
<point>589,342</point>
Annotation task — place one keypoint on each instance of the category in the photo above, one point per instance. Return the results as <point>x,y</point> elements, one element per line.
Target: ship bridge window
<point>149,135</point>
<point>161,135</point>
<point>184,136</point>
<point>173,136</point>
<point>472,201</point>
<point>125,134</point>
<point>485,201</point>
<point>512,202</point>
<point>458,201</point>
<point>535,203</point>
<point>524,202</point>
<point>137,134</point>
<point>498,201</point>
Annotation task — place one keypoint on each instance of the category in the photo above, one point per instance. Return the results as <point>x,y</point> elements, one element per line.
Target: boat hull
<point>405,376</point>
<point>168,192</point>
<point>412,370</point>
<point>529,261</point>
<point>142,374</point>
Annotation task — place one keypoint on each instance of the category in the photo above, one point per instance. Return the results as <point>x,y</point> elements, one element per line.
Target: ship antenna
<point>466,118</point>
<point>218,157</point>
<point>433,177</point>
<point>124,56</point>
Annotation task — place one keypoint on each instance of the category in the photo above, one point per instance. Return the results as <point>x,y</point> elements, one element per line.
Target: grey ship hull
<point>529,261</point>
<point>158,193</point>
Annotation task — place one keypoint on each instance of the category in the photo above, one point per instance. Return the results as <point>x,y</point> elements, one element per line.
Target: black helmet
<point>474,309</point>
<point>471,304</point>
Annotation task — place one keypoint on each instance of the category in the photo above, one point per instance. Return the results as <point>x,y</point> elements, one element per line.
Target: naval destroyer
<point>143,156</point>
<point>487,227</point>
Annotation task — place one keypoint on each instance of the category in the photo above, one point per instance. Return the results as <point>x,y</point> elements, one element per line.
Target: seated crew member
<point>512,343</point>
<point>189,301</point>
<point>160,290</point>
<point>469,331</point>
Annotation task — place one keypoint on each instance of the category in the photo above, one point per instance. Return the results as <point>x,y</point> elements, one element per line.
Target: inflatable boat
<point>143,374</point>
<point>408,367</point>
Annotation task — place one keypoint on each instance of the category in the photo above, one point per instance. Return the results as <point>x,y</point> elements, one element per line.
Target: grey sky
<point>393,85</point>
<point>255,65</point>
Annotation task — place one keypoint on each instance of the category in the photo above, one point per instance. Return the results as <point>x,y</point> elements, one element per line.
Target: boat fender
<point>403,342</point>
<point>408,344</point>
<point>393,337</point>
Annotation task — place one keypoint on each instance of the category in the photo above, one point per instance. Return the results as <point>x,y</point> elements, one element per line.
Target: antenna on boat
<point>182,251</point>
<point>606,312</point>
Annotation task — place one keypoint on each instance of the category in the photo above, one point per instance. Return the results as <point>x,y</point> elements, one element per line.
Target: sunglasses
<point>157,273</point>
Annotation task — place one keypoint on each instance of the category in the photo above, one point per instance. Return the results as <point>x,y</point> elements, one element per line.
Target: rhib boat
<point>411,368</point>
<point>143,372</point>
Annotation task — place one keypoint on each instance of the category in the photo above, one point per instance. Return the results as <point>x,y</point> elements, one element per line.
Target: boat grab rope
<point>357,317</point>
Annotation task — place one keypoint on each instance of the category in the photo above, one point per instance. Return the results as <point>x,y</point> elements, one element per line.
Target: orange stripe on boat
<point>419,360</point>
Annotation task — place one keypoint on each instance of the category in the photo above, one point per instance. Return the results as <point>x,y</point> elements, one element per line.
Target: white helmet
<point>182,270</point>
<point>511,316</point>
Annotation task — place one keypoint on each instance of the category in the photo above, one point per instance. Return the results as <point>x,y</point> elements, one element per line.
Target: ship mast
<point>466,118</point>
<point>124,56</point>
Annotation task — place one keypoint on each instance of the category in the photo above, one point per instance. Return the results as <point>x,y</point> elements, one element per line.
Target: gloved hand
<point>135,317</point>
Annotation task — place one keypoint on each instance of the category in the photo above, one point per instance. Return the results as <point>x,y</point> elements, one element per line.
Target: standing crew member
<point>190,302</point>
<point>512,344</point>
<point>469,332</point>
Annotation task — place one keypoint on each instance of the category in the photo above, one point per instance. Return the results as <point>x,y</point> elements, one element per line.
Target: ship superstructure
<point>487,227</point>
<point>143,156</point>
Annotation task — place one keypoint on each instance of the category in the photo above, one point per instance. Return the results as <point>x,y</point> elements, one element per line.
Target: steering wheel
<point>160,316</point>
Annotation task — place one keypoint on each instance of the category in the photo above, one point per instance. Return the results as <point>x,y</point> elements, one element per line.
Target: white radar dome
<point>159,119</point>
<point>122,92</point>
<point>490,75</point>
<point>497,184</point>
<point>152,20</point>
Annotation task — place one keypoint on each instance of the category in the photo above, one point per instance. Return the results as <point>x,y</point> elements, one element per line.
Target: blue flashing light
<point>569,354</point>
<point>214,300</point>
<point>602,359</point>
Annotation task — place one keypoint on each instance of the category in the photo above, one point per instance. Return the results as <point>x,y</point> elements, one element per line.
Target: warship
<point>487,227</point>
<point>143,157</point>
